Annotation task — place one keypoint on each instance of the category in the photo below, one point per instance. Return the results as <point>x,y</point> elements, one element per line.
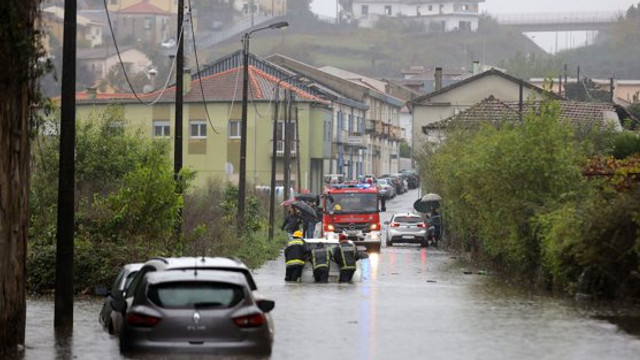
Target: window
<point>234,129</point>
<point>350,123</point>
<point>161,129</point>
<point>430,7</point>
<point>365,10</point>
<point>280,136</point>
<point>198,129</point>
<point>387,9</point>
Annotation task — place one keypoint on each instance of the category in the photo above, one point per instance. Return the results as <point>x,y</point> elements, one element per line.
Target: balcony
<point>280,149</point>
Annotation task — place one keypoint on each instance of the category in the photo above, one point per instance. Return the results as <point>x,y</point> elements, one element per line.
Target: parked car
<point>413,180</point>
<point>368,178</point>
<point>397,182</point>
<point>212,312</point>
<point>121,302</point>
<point>168,44</point>
<point>386,188</point>
<point>406,228</point>
<point>107,316</point>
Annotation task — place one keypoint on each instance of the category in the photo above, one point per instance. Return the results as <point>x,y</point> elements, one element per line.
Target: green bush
<point>127,208</point>
<point>514,195</point>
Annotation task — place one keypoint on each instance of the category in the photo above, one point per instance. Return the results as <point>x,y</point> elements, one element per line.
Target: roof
<point>219,87</point>
<point>491,72</point>
<point>378,86</point>
<point>58,13</point>
<point>144,8</point>
<point>495,111</point>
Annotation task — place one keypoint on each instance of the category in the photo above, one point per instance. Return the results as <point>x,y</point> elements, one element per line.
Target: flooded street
<point>413,303</point>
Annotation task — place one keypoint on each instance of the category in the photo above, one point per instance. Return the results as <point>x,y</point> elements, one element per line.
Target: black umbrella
<point>307,197</point>
<point>305,208</point>
<point>425,206</point>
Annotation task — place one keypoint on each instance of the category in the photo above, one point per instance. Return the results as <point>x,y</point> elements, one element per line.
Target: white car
<point>168,44</point>
<point>386,189</point>
<point>406,228</point>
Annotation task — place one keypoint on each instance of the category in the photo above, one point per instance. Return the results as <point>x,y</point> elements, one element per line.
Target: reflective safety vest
<point>320,258</point>
<point>345,255</point>
<point>296,252</point>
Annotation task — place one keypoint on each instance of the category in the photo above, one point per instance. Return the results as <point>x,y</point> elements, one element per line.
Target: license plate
<point>352,232</point>
<point>407,236</point>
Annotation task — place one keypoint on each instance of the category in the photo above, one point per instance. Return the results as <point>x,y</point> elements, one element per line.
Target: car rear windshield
<point>189,295</point>
<point>407,219</point>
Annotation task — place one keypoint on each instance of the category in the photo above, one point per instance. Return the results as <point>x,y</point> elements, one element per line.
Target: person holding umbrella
<point>291,222</point>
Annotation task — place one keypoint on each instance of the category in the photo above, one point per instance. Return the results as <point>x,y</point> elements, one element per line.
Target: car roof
<point>154,278</point>
<point>407,215</point>
<point>133,267</point>
<point>191,262</point>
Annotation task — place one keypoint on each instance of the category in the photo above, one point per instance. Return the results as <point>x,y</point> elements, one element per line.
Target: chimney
<point>186,81</point>
<point>92,93</point>
<point>438,78</point>
<point>611,89</point>
<point>476,67</point>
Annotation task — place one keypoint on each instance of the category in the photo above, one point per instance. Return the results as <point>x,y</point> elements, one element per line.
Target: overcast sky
<point>328,7</point>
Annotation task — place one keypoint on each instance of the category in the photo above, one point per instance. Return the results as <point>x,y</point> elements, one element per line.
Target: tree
<point>19,52</point>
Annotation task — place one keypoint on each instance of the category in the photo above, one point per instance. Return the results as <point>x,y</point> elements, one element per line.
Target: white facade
<point>436,15</point>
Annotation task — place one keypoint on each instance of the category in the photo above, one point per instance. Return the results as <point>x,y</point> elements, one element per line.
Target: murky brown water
<point>414,303</point>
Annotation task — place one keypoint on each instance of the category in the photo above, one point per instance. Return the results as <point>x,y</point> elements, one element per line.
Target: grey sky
<point>328,7</point>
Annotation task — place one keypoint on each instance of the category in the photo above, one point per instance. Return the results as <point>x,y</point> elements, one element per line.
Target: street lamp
<point>243,124</point>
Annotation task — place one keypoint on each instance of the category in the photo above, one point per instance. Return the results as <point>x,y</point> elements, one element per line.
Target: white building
<point>435,15</point>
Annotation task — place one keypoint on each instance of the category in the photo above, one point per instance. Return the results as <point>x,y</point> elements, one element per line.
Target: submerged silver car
<point>406,228</point>
<point>121,301</point>
<point>109,319</point>
<point>197,311</point>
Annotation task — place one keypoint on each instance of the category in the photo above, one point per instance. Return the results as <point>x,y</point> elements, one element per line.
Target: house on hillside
<point>100,60</point>
<point>89,28</point>
<point>582,116</point>
<point>451,100</point>
<point>433,15</point>
<point>366,140</point>
<point>625,92</point>
<point>211,127</point>
<point>144,20</point>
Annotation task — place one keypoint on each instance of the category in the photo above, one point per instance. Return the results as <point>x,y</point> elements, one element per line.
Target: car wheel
<point>424,243</point>
<point>390,243</point>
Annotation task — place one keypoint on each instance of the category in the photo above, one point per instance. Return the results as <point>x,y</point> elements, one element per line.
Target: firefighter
<point>346,255</point>
<point>320,260</point>
<point>295,255</point>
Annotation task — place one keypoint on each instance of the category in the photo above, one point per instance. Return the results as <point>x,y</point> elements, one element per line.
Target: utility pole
<point>177,142</point>
<point>63,313</point>
<point>274,154</point>
<point>297,140</point>
<point>252,5</point>
<point>287,146</point>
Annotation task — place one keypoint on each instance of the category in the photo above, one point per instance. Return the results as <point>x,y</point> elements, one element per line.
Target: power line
<point>124,70</point>
<point>195,53</point>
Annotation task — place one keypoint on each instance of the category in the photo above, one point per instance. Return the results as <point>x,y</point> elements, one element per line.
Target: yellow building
<point>211,127</point>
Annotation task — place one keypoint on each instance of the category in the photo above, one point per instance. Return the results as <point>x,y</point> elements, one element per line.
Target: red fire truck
<point>352,209</point>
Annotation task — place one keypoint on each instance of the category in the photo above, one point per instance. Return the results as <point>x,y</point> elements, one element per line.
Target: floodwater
<point>413,303</point>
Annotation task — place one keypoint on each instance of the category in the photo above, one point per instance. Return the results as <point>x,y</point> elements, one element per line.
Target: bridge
<point>554,22</point>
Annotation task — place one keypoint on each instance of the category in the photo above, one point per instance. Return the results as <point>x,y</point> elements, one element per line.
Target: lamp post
<point>243,125</point>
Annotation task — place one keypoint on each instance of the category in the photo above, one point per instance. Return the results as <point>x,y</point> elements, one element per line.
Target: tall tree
<point>19,51</point>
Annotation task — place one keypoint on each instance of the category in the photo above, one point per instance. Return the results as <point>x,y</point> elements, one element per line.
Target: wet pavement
<point>413,303</point>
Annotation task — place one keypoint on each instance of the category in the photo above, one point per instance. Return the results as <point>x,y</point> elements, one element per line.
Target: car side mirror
<point>266,305</point>
<point>118,302</point>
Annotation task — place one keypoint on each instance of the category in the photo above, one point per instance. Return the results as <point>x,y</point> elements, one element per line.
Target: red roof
<point>144,8</point>
<point>220,87</point>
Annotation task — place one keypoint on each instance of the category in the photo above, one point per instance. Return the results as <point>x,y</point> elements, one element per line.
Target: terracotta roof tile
<point>144,8</point>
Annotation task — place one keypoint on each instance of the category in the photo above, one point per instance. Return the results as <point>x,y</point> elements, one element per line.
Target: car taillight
<point>375,227</point>
<point>394,224</point>
<point>421,225</point>
<point>250,321</point>
<point>142,320</point>
<point>330,227</point>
